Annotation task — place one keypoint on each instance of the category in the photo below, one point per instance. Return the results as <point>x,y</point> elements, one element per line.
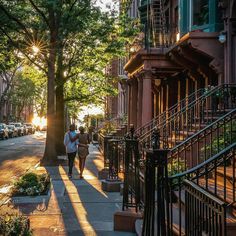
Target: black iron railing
<point>103,147</point>
<point>132,186</point>
<point>204,144</point>
<point>113,160</point>
<point>193,117</point>
<point>190,203</point>
<point>204,213</point>
<point>161,118</point>
<point>156,214</point>
<point>216,176</point>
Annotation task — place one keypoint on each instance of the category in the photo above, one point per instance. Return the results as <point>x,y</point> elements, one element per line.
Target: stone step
<point>220,189</point>
<point>230,221</point>
<point>229,172</point>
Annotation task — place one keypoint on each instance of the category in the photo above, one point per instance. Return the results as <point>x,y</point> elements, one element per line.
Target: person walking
<point>83,139</point>
<point>71,148</point>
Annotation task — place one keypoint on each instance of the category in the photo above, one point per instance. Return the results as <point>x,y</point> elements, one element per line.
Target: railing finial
<point>156,139</point>
<point>132,131</point>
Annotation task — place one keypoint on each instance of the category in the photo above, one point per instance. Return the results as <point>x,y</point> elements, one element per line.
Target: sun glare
<point>35,49</point>
<point>39,121</point>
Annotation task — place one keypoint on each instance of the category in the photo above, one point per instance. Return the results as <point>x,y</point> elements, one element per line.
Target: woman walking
<point>71,147</point>
<point>83,139</point>
<point>83,150</point>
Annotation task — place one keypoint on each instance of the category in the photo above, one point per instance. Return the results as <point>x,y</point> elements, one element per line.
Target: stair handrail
<point>170,110</point>
<point>204,129</point>
<point>177,185</point>
<point>172,117</point>
<point>189,140</point>
<point>201,174</point>
<point>208,93</point>
<point>202,166</point>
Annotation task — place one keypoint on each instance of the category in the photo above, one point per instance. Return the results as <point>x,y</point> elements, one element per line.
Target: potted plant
<point>31,185</point>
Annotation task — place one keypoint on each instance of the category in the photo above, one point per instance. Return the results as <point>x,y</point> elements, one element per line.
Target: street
<point>17,155</point>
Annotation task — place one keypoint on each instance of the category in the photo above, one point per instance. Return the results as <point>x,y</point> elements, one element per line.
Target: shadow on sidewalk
<point>77,206</point>
<point>87,210</point>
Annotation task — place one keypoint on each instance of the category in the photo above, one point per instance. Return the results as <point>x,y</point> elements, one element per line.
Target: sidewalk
<point>76,207</point>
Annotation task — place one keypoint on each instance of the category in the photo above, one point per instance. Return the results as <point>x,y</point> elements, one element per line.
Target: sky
<point>105,4</point>
<point>89,110</point>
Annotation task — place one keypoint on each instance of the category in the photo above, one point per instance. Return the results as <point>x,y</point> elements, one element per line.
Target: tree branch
<point>16,46</point>
<point>40,12</point>
<point>71,8</point>
<point>16,20</point>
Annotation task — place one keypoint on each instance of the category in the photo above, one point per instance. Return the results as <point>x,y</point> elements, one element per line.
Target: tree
<point>65,40</point>
<point>28,91</point>
<point>39,91</point>
<point>9,65</point>
<point>22,93</point>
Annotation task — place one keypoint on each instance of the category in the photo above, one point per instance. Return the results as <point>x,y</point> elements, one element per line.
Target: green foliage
<point>31,184</point>
<point>29,89</point>
<point>86,40</point>
<point>108,127</point>
<point>14,225</point>
<point>124,119</point>
<point>176,166</point>
<point>95,118</point>
<point>227,136</point>
<point>39,91</point>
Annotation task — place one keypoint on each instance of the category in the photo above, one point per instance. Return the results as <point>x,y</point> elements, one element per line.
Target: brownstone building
<point>188,45</point>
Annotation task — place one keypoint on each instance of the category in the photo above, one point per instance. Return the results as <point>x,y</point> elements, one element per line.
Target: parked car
<point>25,130</point>
<point>12,131</point>
<point>20,129</point>
<point>3,131</point>
<point>31,128</point>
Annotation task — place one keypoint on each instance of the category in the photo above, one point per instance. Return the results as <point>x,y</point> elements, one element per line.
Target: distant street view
<point>19,154</point>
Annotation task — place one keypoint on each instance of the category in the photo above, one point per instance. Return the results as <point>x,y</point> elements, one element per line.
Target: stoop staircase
<point>188,116</point>
<point>197,198</point>
<point>194,191</point>
<point>205,179</point>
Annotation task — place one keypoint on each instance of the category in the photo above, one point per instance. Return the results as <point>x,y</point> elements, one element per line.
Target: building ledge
<point>154,60</point>
<point>199,48</point>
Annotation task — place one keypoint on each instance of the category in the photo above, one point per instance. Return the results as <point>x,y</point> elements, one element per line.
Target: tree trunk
<point>60,120</point>
<point>50,156</point>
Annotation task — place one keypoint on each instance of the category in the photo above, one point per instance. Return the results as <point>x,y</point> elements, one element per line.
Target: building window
<point>200,12</point>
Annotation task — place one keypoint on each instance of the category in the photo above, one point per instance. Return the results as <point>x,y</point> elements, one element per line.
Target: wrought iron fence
<point>206,177</point>
<point>204,213</point>
<point>113,160</point>
<point>193,116</point>
<point>204,144</point>
<point>103,147</point>
<point>131,192</point>
<point>187,203</point>
<point>156,194</point>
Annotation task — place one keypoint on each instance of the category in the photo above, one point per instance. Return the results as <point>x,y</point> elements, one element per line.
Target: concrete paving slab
<point>90,211</point>
<point>90,198</point>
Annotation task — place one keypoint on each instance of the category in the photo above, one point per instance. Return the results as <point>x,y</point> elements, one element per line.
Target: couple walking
<point>76,142</point>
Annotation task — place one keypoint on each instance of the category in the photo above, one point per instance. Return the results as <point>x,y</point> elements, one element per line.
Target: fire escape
<point>156,26</point>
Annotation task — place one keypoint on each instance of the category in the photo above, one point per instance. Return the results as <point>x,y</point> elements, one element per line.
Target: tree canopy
<point>70,41</point>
